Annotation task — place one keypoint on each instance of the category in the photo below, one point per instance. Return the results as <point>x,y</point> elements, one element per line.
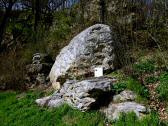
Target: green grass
<point>24,112</point>
<point>137,87</point>
<point>163,87</point>
<point>130,119</point>
<point>20,110</point>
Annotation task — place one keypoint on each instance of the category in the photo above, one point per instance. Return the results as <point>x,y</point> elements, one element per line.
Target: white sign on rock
<point>98,72</point>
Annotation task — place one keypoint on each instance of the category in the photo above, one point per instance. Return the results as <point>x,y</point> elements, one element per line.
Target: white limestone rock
<point>92,47</point>
<point>125,95</point>
<point>114,110</point>
<point>78,94</point>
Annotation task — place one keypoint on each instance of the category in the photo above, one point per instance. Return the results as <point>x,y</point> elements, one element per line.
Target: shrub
<point>118,87</point>
<point>12,71</point>
<point>161,59</point>
<point>151,80</point>
<point>61,32</point>
<point>144,67</point>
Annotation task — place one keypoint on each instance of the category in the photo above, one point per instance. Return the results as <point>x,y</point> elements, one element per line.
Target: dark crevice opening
<point>102,98</point>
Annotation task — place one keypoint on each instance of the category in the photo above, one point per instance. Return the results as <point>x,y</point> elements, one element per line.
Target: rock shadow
<point>103,99</point>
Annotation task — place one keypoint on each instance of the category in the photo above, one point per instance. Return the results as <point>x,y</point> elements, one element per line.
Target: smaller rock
<point>55,100</point>
<point>39,58</point>
<point>113,111</point>
<point>37,71</point>
<point>56,103</point>
<point>56,85</point>
<point>34,68</point>
<point>41,79</point>
<point>36,58</point>
<point>125,95</point>
<point>43,101</point>
<point>3,86</point>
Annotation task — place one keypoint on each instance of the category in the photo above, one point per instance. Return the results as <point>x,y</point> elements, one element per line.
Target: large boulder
<point>79,94</point>
<point>92,47</point>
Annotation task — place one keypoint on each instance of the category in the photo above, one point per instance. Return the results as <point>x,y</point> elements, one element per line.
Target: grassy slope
<point>20,110</point>
<point>15,111</point>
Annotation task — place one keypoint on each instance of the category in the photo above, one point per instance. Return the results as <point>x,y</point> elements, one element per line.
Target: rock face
<point>92,47</point>
<point>38,71</point>
<point>78,94</point>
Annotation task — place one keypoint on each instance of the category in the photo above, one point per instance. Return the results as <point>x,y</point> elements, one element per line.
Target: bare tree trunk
<point>102,11</point>
<point>3,26</point>
<point>82,7</point>
<point>37,14</point>
<point>5,22</point>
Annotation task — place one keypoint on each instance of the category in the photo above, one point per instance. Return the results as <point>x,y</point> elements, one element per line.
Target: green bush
<point>118,87</point>
<point>163,87</point>
<point>151,80</point>
<point>61,32</point>
<point>144,67</point>
<point>12,69</point>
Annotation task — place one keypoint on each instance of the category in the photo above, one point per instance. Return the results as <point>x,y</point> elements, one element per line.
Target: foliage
<point>118,87</point>
<point>59,32</point>
<point>151,80</point>
<point>26,42</point>
<point>12,71</point>
<point>64,27</point>
<point>163,87</point>
<point>144,67</point>
<point>161,59</point>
